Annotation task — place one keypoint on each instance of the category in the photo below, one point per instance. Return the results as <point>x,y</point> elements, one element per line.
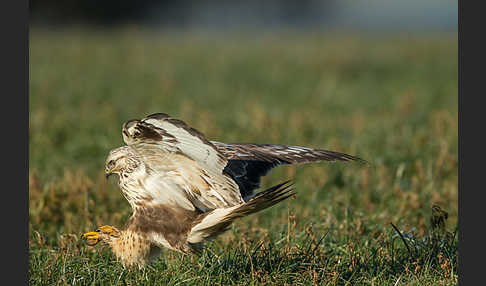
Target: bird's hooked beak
<point>108,173</point>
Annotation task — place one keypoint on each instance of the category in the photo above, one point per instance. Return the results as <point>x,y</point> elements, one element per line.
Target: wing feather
<point>248,162</point>
<point>283,154</point>
<point>183,155</point>
<point>179,173</point>
<point>176,136</point>
<point>232,171</point>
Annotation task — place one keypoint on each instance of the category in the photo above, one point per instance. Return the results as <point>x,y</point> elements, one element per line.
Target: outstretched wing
<point>183,156</point>
<point>248,162</point>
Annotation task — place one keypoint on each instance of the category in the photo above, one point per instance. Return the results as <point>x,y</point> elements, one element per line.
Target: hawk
<point>184,189</point>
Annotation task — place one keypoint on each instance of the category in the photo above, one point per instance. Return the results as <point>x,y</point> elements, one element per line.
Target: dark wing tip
<point>347,157</point>
<point>158,116</point>
<point>362,161</point>
<point>338,156</point>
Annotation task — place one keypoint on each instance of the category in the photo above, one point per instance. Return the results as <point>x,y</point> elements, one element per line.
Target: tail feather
<point>218,221</point>
<point>264,199</point>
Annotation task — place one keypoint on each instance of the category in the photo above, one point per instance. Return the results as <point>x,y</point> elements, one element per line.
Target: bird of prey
<point>184,189</point>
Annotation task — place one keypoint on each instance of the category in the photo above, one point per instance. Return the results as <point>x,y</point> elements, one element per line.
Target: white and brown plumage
<point>184,189</point>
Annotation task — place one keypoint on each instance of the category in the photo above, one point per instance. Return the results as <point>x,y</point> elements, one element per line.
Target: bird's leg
<point>94,237</point>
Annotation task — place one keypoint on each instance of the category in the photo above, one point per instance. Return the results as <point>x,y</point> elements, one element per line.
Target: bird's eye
<point>136,133</point>
<point>111,163</point>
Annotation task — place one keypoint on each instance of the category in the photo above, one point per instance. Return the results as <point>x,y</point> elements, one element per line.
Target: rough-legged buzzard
<point>185,189</point>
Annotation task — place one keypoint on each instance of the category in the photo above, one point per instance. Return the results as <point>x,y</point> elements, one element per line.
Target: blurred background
<point>372,15</point>
<point>226,51</point>
<point>377,79</point>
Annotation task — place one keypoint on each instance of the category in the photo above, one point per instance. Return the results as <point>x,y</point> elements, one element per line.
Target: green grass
<point>389,100</point>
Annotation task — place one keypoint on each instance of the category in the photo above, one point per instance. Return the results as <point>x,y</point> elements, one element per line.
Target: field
<point>391,100</point>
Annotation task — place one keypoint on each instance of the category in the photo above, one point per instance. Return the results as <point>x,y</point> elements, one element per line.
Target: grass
<point>389,100</point>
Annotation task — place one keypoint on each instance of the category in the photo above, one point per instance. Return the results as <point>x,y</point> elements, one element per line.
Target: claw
<point>109,230</point>
<point>92,238</point>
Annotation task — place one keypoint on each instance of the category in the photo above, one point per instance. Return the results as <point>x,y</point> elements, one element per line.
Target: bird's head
<point>121,160</point>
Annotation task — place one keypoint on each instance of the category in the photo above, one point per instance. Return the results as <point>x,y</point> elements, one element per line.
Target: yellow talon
<point>108,229</point>
<point>92,238</point>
